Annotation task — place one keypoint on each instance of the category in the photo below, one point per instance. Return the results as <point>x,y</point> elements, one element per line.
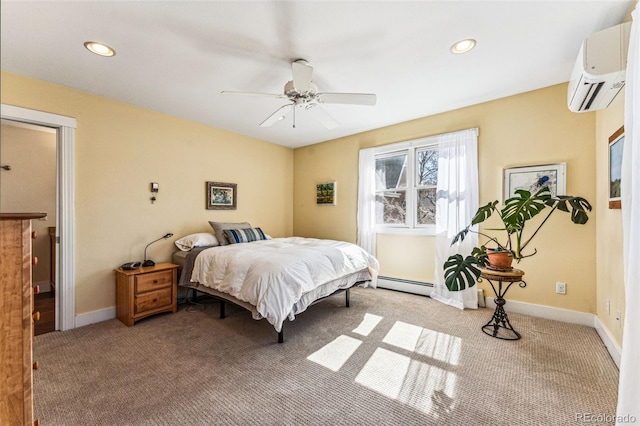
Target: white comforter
<point>282,276</point>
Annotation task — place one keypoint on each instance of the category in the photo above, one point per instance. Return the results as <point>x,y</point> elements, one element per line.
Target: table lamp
<point>149,262</point>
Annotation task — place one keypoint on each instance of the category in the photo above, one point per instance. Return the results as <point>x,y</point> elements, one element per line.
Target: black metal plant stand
<point>499,325</point>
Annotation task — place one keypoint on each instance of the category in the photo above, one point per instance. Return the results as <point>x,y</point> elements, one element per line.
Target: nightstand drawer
<point>152,300</point>
<point>153,281</point>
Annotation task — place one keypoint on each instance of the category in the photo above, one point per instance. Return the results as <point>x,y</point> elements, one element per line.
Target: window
<point>400,186</point>
<point>405,187</point>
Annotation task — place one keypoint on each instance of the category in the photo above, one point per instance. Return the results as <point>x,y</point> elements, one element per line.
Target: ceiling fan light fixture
<point>99,48</point>
<point>463,46</point>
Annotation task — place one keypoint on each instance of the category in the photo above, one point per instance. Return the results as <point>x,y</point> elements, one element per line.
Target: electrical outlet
<point>561,288</point>
<point>608,307</point>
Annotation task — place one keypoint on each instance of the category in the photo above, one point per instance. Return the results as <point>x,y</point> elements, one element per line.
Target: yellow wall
<point>609,230</point>
<point>527,129</point>
<point>120,149</point>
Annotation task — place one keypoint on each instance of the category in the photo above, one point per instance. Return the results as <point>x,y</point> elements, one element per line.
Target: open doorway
<point>28,184</point>
<point>64,274</point>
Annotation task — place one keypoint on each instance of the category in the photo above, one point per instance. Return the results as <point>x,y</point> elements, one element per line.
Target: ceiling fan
<point>303,93</point>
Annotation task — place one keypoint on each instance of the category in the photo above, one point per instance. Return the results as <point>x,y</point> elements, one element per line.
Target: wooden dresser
<point>16,318</point>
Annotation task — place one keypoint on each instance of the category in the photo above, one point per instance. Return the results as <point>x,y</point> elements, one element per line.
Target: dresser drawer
<point>152,300</point>
<point>153,281</point>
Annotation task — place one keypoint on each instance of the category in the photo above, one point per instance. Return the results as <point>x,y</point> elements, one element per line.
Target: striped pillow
<point>244,235</point>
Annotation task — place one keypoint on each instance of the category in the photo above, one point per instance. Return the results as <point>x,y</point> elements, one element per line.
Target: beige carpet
<point>389,359</point>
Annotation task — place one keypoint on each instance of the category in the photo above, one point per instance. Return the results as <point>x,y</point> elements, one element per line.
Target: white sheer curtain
<point>366,197</point>
<point>456,203</point>
<point>629,382</point>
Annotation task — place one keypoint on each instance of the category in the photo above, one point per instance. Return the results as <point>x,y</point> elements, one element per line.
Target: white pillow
<point>200,239</point>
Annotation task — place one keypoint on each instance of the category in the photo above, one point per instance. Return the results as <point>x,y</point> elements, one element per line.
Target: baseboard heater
<point>401,284</point>
<point>416,287</point>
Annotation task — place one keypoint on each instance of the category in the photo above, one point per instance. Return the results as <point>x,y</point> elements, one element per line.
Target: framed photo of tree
<point>616,143</point>
<point>221,196</point>
<point>326,194</point>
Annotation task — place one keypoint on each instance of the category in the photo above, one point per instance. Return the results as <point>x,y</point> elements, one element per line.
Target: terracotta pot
<point>500,259</point>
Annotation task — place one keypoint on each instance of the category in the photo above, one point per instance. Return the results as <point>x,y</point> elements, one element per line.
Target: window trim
<point>410,147</point>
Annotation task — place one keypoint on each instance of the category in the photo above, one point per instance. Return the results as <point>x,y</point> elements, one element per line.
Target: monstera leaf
<point>484,213</point>
<point>522,207</point>
<point>578,207</point>
<point>461,273</point>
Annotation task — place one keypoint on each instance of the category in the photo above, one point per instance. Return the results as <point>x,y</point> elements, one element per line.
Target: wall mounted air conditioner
<point>600,68</point>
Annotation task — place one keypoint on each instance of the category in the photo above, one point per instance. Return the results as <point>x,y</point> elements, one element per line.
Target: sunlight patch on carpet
<point>439,346</point>
<point>369,322</point>
<point>334,354</point>
<point>415,383</point>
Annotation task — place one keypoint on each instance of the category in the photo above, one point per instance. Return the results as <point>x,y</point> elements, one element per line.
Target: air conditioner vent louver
<point>592,94</point>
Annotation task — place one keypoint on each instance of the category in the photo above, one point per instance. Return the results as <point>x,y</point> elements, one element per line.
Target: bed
<point>274,278</point>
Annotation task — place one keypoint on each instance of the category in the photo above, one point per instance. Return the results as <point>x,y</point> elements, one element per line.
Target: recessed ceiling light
<point>99,48</point>
<point>463,46</point>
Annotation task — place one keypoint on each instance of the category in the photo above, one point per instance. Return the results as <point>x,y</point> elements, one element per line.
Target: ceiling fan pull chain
<point>294,116</point>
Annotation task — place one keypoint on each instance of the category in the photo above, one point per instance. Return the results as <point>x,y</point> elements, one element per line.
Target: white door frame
<point>65,217</point>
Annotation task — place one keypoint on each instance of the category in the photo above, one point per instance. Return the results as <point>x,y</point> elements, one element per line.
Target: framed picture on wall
<point>616,143</point>
<point>221,196</point>
<point>326,194</point>
<point>533,178</point>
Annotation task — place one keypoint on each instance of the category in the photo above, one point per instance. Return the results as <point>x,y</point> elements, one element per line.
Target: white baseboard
<point>614,349</point>
<point>541,311</point>
<point>564,315</point>
<point>95,316</point>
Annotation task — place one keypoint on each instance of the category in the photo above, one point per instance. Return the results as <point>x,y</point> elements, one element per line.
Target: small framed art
<point>533,178</point>
<point>221,196</point>
<point>326,194</point>
<point>616,143</point>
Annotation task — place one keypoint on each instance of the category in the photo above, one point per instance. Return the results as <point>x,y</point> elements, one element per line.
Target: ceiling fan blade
<point>277,116</point>
<point>347,98</point>
<point>302,73</point>
<point>320,114</point>
<point>265,95</point>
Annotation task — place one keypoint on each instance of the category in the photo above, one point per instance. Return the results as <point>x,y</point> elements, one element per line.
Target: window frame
<point>411,148</point>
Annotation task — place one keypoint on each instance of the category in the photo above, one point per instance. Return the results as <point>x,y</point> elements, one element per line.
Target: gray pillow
<point>219,228</point>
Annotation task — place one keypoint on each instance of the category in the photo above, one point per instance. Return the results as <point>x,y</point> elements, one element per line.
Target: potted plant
<point>463,272</point>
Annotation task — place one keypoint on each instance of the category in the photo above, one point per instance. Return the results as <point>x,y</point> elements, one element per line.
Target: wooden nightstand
<point>146,291</point>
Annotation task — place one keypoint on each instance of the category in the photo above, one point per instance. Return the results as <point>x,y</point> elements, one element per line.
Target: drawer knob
<point>155,281</point>
<point>36,289</point>
<point>155,300</point>
<point>34,260</point>
<point>34,235</point>
<point>36,316</point>
<point>36,365</point>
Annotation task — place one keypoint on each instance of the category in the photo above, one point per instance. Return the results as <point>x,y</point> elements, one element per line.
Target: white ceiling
<point>176,57</point>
